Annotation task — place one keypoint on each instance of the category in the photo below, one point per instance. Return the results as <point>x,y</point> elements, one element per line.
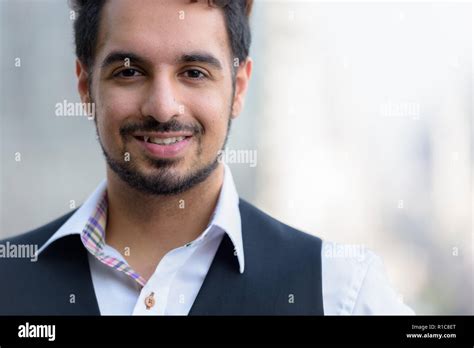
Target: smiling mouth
<point>162,141</point>
<point>164,145</point>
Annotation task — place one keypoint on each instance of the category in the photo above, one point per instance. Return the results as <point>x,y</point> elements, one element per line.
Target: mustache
<point>152,125</point>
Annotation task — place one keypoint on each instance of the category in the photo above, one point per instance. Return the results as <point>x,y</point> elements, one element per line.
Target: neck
<point>148,226</point>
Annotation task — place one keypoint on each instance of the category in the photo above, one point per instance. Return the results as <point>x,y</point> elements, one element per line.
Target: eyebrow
<point>193,57</point>
<point>200,57</point>
<point>119,56</point>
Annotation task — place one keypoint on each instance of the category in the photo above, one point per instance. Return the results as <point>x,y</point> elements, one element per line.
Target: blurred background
<point>360,114</point>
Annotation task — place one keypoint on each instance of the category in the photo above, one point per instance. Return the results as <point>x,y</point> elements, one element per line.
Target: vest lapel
<point>57,283</point>
<point>225,291</point>
<point>65,272</point>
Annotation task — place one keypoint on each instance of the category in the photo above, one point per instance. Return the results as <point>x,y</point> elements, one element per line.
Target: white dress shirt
<point>353,283</point>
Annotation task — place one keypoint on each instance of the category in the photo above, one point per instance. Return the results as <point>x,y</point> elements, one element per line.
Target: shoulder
<point>254,218</point>
<point>355,282</point>
<point>16,252</point>
<point>39,235</point>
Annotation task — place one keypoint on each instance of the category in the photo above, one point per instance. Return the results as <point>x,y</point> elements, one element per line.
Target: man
<point>166,232</point>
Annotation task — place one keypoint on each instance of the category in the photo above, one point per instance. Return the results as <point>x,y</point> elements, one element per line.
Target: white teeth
<point>165,141</point>
<point>146,138</point>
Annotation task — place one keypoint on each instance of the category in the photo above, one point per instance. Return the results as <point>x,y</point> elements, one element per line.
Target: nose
<point>161,100</point>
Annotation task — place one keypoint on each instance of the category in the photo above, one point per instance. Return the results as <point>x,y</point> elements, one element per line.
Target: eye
<point>195,74</point>
<point>127,73</point>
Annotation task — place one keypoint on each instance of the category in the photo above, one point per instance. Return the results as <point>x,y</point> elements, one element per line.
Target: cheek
<point>113,108</point>
<point>213,114</point>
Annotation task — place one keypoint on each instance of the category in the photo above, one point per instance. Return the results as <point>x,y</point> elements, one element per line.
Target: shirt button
<point>150,300</point>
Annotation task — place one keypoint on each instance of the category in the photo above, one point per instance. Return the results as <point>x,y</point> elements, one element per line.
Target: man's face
<point>163,90</point>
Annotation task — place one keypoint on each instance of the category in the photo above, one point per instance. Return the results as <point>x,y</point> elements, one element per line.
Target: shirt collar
<point>76,223</point>
<point>226,216</point>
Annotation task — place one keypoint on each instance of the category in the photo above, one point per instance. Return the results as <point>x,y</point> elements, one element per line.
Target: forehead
<point>162,30</point>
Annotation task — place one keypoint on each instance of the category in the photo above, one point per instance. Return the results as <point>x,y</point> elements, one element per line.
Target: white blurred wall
<point>366,136</point>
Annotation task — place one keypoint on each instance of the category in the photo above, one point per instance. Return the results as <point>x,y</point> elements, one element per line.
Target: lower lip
<point>166,151</point>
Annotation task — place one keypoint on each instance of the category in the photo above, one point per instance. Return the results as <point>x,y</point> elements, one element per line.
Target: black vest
<point>282,274</point>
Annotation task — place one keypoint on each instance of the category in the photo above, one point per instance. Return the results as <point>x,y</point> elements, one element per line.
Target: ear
<point>82,81</point>
<point>242,79</point>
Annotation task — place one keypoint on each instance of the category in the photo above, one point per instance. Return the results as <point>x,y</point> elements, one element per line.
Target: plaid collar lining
<point>93,238</point>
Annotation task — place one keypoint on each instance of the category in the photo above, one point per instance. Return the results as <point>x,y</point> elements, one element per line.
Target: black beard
<point>163,182</point>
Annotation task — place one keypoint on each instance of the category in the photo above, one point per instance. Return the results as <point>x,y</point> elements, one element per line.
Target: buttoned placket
<point>154,296</point>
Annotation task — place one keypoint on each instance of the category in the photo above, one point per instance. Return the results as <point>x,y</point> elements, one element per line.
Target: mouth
<point>161,141</point>
<point>164,145</point>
